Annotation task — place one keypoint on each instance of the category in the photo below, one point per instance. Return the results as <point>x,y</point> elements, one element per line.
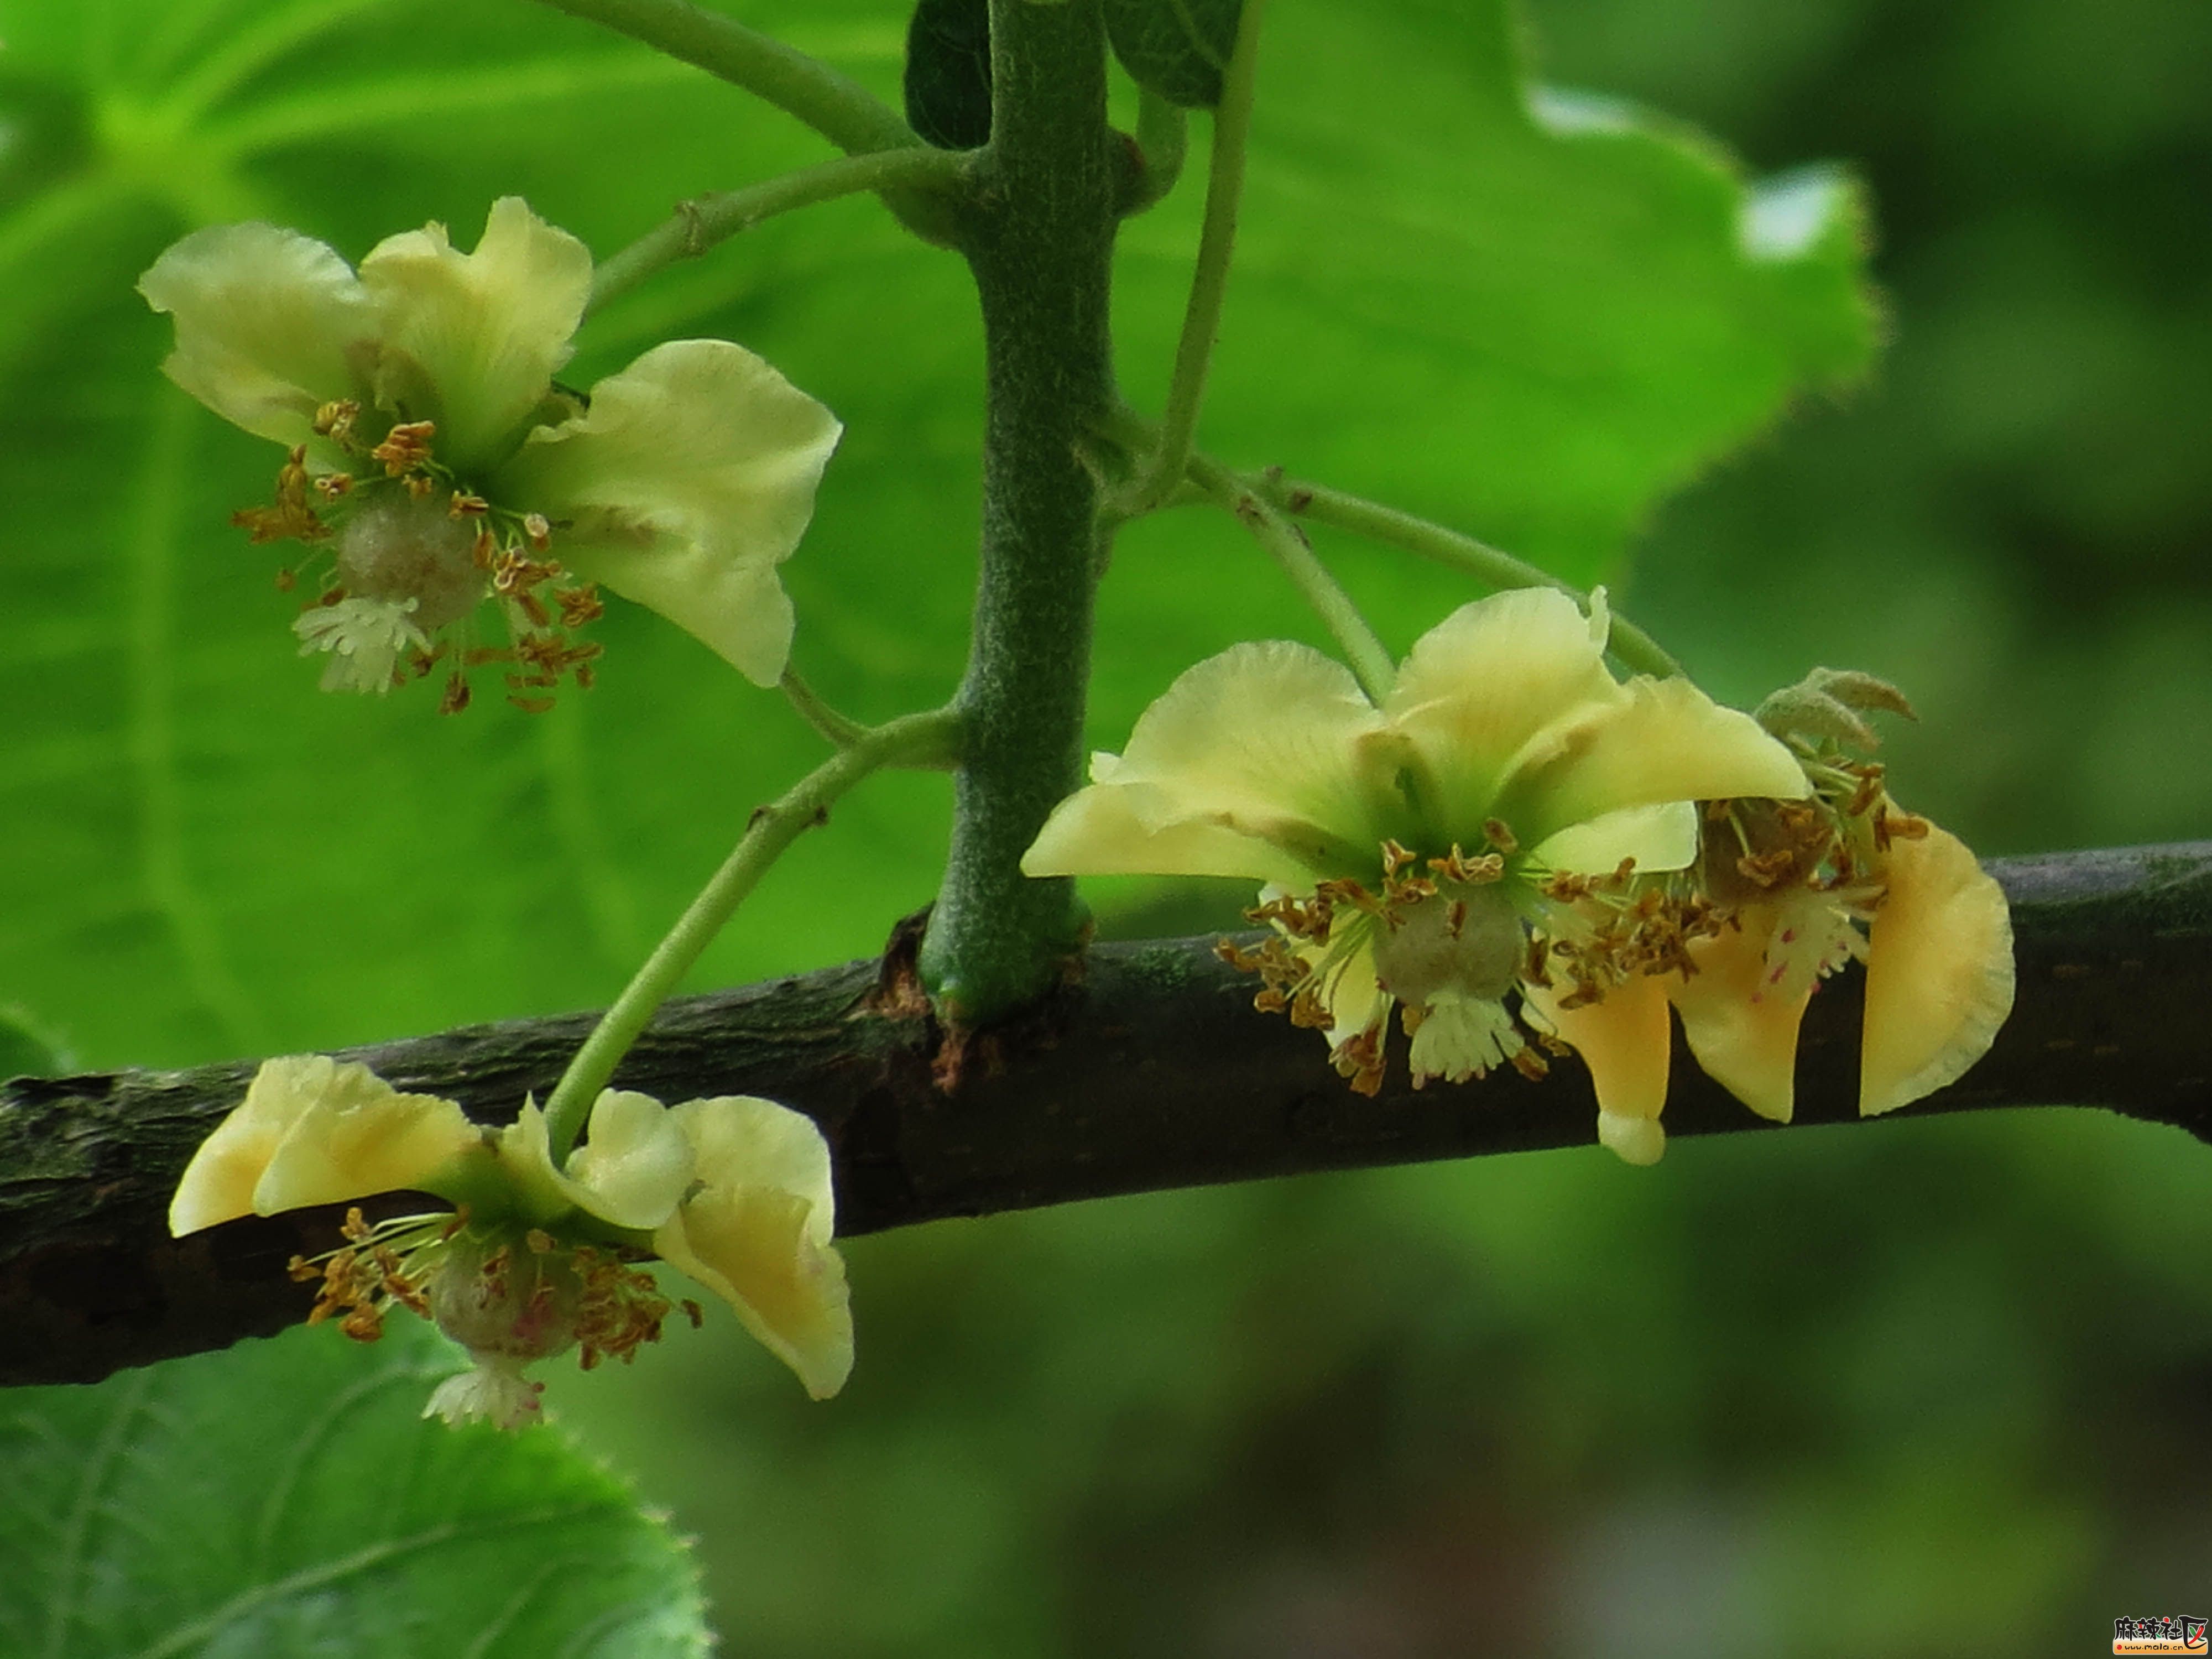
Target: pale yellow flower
<point>1508,785</point>
<point>436,461</point>
<point>734,1191</point>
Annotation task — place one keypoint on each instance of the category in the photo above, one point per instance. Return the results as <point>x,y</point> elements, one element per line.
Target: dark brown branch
<point>1153,1072</point>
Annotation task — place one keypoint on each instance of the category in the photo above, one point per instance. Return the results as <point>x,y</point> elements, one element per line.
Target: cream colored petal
<point>1482,682</point>
<point>1666,741</point>
<point>354,1135</point>
<point>1624,1040</point>
<point>270,326</point>
<point>1939,975</point>
<point>757,1232</point>
<point>472,340</point>
<point>1661,837</point>
<point>218,1184</point>
<point>634,1164</point>
<point>1743,1032</point>
<point>691,476</point>
<point>1097,831</point>
<point>1272,740</point>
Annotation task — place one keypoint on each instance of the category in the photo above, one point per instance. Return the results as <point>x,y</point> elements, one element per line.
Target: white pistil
<point>365,639</point>
<point>493,1390</point>
<point>1461,1036</point>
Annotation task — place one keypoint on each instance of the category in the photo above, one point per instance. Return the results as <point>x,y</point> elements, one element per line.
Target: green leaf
<point>1530,332</point>
<point>285,1497</point>
<point>1176,48</point>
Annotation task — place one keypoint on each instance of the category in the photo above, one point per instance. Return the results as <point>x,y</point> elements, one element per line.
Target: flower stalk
<point>1493,567</point>
<point>699,224</point>
<point>1209,282</point>
<point>915,740</point>
<point>1287,545</point>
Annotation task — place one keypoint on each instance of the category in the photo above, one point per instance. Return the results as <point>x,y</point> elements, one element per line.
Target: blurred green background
<point>1918,1388</point>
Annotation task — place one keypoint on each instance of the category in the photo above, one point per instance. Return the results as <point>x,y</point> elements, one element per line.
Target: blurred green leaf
<point>1527,331</point>
<point>948,73</point>
<point>25,1050</point>
<point>285,1497</point>
<point>1176,48</point>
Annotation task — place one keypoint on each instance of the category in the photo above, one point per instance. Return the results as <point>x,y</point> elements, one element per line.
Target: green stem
<point>698,224</point>
<point>1209,281</point>
<point>842,730</point>
<point>1162,141</point>
<point>834,104</point>
<point>1039,240</point>
<point>1487,565</point>
<point>924,740</point>
<point>1288,546</point>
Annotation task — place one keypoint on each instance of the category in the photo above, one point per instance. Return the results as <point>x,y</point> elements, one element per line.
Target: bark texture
<point>1149,1071</point>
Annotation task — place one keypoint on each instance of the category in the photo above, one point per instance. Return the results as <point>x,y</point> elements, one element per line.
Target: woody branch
<point>1151,1071</point>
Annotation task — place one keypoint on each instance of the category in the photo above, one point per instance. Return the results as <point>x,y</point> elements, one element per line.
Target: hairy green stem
<point>1487,565</point>
<point>1209,281</point>
<point>1287,545</point>
<point>834,104</point>
<point>1040,241</point>
<point>923,739</point>
<point>700,224</point>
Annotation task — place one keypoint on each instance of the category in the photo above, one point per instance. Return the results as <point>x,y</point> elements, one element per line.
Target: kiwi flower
<point>433,466</point>
<point>535,1258</point>
<point>1800,890</point>
<point>1511,816</point>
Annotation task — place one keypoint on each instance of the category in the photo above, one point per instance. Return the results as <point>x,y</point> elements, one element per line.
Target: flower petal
<point>1624,1039</point>
<point>270,326</point>
<point>1939,978</point>
<point>1664,741</point>
<point>1098,831</point>
<point>634,1165</point>
<point>218,1184</point>
<point>1481,683</point>
<point>471,340</point>
<point>690,477</point>
<point>1742,1031</point>
<point>758,1232</point>
<point>352,1134</point>
<point>1661,837</point>
<point>1270,740</point>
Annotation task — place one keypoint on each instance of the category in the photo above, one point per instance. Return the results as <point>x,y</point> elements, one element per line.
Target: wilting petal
<point>270,326</point>
<point>689,480</point>
<point>1482,682</point>
<point>1624,1039</point>
<point>1666,741</point>
<point>471,340</point>
<point>1269,740</point>
<point>354,1135</point>
<point>634,1164</point>
<point>1743,1029</point>
<point>757,1233</point>
<point>1939,975</point>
